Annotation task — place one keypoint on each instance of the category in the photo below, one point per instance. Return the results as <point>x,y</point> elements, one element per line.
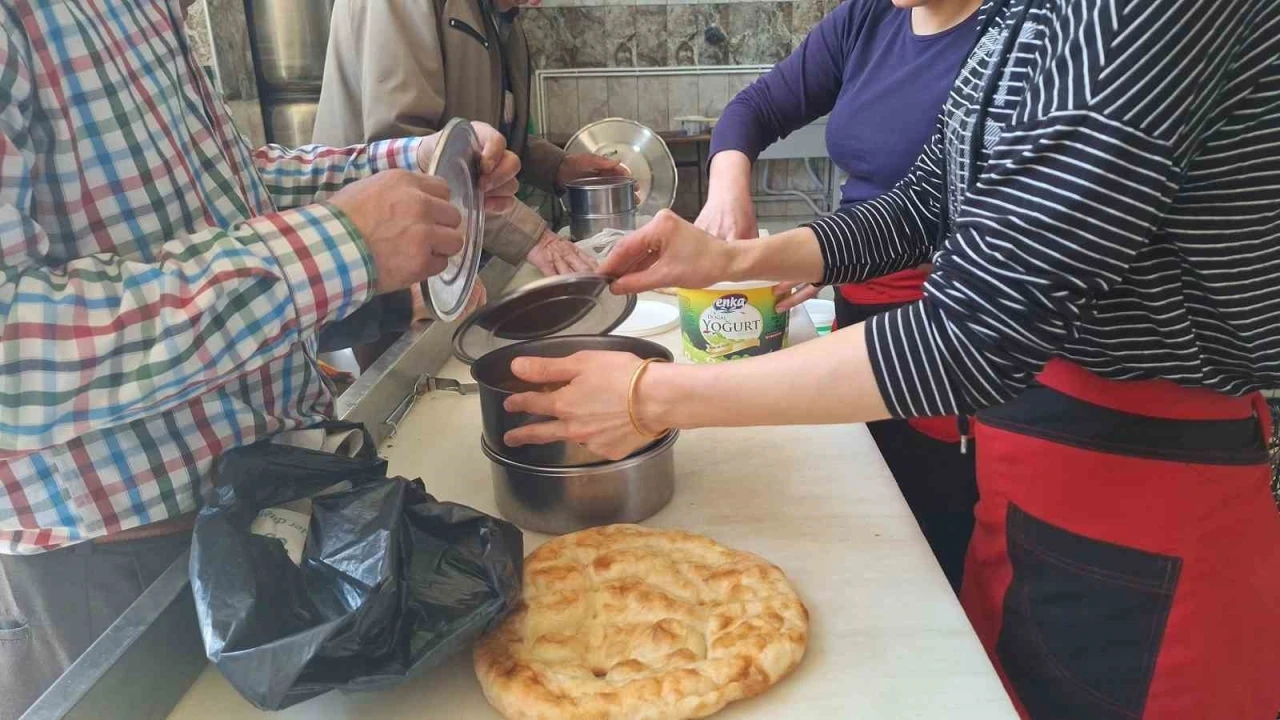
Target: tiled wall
<point>653,100</point>
<point>626,34</point>
<point>638,33</point>
<point>582,34</point>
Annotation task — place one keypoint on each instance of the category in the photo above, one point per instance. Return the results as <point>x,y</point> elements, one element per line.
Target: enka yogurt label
<point>730,321</point>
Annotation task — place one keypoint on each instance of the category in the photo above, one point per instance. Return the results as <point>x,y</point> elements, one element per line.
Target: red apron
<point>1126,557</point>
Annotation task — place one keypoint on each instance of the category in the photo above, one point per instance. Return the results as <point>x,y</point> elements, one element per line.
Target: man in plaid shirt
<point>161,289</point>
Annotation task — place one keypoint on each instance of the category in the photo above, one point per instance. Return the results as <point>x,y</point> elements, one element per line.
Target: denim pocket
<point>1083,621</point>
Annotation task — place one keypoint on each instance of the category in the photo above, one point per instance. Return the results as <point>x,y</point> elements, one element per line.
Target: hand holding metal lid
<point>406,223</point>
<point>498,166</point>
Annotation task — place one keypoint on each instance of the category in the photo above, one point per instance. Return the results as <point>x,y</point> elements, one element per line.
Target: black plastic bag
<point>390,580</point>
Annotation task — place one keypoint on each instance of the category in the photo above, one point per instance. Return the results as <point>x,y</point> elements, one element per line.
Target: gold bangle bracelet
<point>631,400</point>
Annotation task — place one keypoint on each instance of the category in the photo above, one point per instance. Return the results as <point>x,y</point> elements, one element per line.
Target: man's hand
<point>498,169</point>
<point>586,165</point>
<point>406,222</point>
<point>553,255</point>
<point>498,166</point>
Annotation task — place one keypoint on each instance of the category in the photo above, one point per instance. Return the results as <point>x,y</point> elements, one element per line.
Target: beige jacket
<point>400,68</point>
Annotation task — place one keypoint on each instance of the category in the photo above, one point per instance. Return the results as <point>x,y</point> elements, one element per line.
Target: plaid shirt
<point>161,284</point>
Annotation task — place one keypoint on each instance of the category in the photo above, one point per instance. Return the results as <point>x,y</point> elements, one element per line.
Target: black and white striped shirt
<point>1121,208</point>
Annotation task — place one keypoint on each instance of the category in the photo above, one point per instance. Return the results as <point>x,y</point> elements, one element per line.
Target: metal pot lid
<point>640,150</point>
<point>457,161</point>
<point>562,305</point>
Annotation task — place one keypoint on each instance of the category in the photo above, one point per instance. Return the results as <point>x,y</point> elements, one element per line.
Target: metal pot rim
<point>583,216</point>
<point>653,450</point>
<point>600,182</point>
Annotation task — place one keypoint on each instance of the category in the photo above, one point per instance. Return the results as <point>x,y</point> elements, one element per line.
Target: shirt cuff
<point>323,260</point>
<point>399,154</point>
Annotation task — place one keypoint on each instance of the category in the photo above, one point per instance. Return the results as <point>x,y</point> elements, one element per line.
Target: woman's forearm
<point>730,173</point>
<point>825,381</point>
<point>792,256</point>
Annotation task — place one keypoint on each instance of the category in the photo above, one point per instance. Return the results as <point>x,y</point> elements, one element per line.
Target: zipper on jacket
<point>962,421</point>
<point>505,79</point>
<point>459,25</point>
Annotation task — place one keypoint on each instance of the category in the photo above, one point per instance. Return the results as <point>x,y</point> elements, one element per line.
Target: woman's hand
<point>730,212</point>
<point>591,409</point>
<point>789,294</point>
<point>729,216</point>
<point>553,255</point>
<point>668,252</point>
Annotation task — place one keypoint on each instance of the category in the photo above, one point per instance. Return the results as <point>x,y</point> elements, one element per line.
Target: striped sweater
<point>1120,207</point>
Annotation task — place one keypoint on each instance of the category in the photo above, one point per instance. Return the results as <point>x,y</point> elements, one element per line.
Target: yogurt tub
<point>730,320</point>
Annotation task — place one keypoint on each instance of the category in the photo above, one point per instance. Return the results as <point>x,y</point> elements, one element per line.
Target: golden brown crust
<point>628,623</point>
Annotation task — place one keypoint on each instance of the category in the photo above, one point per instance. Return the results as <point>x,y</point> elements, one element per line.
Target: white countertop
<point>888,638</point>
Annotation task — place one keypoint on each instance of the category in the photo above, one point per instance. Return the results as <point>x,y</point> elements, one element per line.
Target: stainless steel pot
<point>563,500</point>
<point>582,227</point>
<point>601,196</point>
<point>493,373</point>
<point>290,122</point>
<point>289,40</point>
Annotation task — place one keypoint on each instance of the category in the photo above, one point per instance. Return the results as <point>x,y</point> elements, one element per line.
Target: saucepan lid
<point>563,305</point>
<point>456,160</point>
<point>639,149</point>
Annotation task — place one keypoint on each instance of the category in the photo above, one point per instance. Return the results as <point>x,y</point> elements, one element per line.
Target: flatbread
<point>628,623</point>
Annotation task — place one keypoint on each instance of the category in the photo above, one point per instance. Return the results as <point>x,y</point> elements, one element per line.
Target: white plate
<point>649,318</point>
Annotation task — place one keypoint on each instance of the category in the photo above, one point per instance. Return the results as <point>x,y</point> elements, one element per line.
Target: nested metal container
<point>561,500</point>
<point>493,373</point>
<point>290,38</point>
<point>601,195</point>
<point>582,227</point>
<point>559,487</point>
<point>602,203</point>
<point>290,120</point>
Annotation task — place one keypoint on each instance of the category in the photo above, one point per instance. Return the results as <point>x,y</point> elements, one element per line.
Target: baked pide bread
<point>628,623</point>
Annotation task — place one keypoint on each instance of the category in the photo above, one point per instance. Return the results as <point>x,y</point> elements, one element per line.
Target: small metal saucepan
<point>561,500</point>
<point>601,196</point>
<point>493,373</point>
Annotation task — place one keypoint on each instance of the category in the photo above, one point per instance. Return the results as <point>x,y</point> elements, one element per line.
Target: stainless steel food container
<point>290,38</point>
<point>493,373</point>
<point>582,227</point>
<point>564,500</point>
<point>290,122</point>
<point>601,196</point>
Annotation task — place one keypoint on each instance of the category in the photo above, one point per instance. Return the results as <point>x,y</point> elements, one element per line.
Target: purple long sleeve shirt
<point>882,87</point>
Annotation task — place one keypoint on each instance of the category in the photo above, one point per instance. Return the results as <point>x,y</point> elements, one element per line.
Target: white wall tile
<point>713,93</point>
<point>562,105</point>
<point>682,97</point>
<point>593,99</point>
<point>624,98</point>
<point>652,103</point>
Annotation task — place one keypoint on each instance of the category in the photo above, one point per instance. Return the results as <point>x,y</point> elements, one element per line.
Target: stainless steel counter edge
<point>377,393</point>
<point>148,658</point>
<point>141,666</point>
